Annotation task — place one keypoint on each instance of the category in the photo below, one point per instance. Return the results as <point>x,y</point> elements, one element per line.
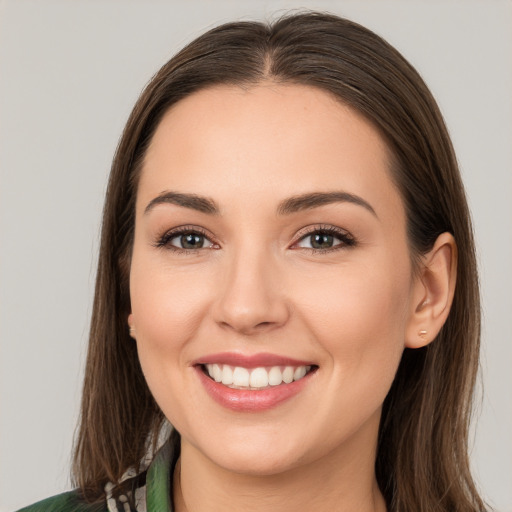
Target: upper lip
<point>250,361</point>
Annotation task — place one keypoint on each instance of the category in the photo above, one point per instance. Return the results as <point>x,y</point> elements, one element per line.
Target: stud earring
<point>422,334</point>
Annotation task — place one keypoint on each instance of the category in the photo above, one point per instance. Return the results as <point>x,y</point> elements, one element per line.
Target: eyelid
<point>347,240</point>
<point>162,241</point>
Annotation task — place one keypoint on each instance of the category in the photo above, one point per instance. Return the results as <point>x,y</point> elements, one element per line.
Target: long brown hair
<point>422,459</point>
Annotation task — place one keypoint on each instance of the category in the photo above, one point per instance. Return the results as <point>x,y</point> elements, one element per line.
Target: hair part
<point>422,461</point>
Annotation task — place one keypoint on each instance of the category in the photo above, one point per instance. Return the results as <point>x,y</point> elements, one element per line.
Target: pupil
<point>321,241</point>
<point>191,241</point>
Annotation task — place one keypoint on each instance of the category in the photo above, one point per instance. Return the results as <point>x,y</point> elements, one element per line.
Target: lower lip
<point>248,400</point>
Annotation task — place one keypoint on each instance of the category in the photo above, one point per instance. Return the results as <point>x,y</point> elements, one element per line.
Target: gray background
<point>69,73</point>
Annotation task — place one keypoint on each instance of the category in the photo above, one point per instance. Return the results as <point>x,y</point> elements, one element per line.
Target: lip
<point>263,359</point>
<point>248,400</point>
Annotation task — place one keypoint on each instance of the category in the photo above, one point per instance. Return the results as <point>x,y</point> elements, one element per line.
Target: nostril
<point>247,327</point>
<point>263,324</point>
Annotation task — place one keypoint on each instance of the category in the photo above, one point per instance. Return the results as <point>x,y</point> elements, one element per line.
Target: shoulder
<point>66,502</point>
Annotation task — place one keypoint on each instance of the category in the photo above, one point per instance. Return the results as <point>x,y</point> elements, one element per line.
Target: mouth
<point>255,379</point>
<point>253,383</point>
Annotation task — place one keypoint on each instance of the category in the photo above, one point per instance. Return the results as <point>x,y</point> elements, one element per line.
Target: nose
<point>251,299</point>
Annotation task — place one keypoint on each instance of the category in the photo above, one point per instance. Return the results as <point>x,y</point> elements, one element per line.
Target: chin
<point>257,463</point>
<point>255,452</point>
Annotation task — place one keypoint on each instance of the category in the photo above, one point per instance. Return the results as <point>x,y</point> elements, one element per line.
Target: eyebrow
<point>193,201</point>
<point>316,199</point>
<point>287,207</point>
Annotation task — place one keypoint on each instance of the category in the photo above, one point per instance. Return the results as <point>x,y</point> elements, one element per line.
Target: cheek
<point>167,308</point>
<point>358,315</point>
<point>165,302</point>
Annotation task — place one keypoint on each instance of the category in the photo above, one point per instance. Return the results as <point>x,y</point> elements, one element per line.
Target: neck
<point>342,481</point>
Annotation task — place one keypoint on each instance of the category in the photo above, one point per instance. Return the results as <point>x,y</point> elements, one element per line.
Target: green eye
<point>325,239</point>
<point>321,241</point>
<point>184,239</point>
<point>188,241</point>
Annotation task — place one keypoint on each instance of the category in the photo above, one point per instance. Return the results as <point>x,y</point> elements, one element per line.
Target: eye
<point>185,239</point>
<point>190,241</point>
<point>325,239</point>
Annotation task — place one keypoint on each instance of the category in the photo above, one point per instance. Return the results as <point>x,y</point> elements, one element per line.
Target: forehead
<point>270,140</point>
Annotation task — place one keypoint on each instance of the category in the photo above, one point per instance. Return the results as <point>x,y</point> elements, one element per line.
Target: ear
<point>131,326</point>
<point>432,293</point>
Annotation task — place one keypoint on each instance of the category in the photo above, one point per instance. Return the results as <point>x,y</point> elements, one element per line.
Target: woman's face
<point>270,242</point>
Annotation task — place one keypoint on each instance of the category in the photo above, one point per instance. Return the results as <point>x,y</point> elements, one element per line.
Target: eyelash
<point>163,241</point>
<point>345,238</point>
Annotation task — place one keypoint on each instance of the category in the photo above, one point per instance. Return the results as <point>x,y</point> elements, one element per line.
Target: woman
<point>287,276</point>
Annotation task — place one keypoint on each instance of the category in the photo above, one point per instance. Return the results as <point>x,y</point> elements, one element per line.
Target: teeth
<point>216,372</point>
<point>227,375</point>
<point>241,377</point>
<point>257,378</point>
<point>299,372</point>
<point>275,376</point>
<point>288,374</point>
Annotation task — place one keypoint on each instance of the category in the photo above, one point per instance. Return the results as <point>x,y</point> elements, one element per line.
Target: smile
<point>253,383</point>
<point>238,377</point>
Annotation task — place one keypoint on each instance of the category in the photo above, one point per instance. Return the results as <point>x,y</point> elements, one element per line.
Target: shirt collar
<point>160,476</point>
<point>155,493</point>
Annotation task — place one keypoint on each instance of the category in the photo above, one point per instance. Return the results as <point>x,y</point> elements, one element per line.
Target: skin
<point>255,286</point>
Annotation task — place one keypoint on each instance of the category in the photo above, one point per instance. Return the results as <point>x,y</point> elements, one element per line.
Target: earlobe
<point>433,292</point>
<point>131,326</point>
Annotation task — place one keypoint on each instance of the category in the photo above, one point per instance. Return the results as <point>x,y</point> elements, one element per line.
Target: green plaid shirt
<point>154,495</point>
